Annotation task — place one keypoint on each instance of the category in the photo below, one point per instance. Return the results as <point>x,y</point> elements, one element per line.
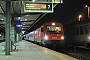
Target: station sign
<point>53,1</point>
<point>38,7</point>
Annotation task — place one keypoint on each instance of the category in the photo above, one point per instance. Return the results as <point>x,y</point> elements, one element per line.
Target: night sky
<point>69,10</point>
<point>66,13</point>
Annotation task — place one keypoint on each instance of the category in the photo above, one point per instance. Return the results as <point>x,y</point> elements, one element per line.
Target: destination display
<point>38,7</point>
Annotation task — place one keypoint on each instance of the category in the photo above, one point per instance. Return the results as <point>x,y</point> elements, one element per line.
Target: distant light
<point>86,6</point>
<point>80,16</point>
<point>23,32</point>
<point>53,23</point>
<point>23,24</point>
<point>89,37</point>
<point>33,0</point>
<point>2,19</point>
<point>88,10</point>
<point>0,34</point>
<point>25,19</point>
<point>61,1</point>
<point>10,25</point>
<point>19,25</point>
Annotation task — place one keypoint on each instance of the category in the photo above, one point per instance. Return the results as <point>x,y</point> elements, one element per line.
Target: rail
<point>82,47</point>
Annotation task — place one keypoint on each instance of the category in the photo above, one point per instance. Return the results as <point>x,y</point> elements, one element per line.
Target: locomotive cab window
<point>53,29</point>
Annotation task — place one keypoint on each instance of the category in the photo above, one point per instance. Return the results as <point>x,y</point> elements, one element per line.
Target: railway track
<point>80,54</point>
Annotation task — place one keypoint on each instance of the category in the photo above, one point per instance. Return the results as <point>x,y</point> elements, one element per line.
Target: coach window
<point>81,30</point>
<point>77,30</point>
<point>73,31</point>
<point>86,29</point>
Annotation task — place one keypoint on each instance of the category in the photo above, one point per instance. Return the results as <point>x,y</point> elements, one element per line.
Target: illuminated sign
<point>19,25</point>
<point>38,7</point>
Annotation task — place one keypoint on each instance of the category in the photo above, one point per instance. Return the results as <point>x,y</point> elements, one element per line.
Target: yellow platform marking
<point>54,53</point>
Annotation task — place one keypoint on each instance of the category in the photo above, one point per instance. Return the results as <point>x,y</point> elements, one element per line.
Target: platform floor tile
<point>27,51</point>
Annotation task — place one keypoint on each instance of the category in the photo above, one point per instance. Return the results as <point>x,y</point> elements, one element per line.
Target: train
<point>78,34</point>
<point>50,34</point>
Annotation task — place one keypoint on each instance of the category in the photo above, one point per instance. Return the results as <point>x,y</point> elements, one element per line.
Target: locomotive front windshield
<point>53,29</point>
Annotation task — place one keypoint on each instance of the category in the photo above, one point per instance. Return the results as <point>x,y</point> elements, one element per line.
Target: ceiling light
<point>2,19</point>
<point>23,32</point>
<point>33,0</point>
<point>25,19</point>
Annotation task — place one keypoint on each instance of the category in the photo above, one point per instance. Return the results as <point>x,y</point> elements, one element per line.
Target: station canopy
<point>27,12</point>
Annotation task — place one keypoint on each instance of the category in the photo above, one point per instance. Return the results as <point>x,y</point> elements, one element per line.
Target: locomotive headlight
<point>62,37</point>
<point>53,23</point>
<point>46,37</point>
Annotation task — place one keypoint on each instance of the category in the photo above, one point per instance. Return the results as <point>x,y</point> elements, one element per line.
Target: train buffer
<point>81,47</point>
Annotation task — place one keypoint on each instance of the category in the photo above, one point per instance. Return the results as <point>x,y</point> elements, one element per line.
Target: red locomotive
<point>49,34</point>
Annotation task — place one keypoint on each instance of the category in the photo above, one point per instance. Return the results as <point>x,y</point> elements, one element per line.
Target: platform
<point>30,51</point>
